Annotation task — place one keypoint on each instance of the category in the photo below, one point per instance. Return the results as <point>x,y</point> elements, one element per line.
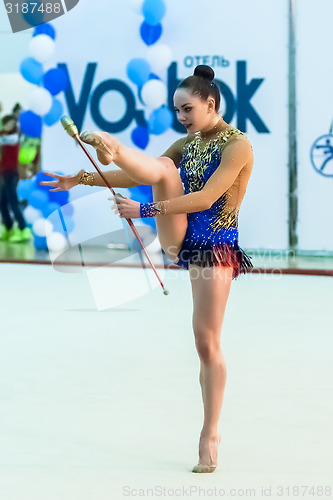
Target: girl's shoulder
<point>175,151</point>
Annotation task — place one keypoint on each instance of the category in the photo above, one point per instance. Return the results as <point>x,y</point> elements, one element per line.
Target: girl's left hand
<point>126,207</point>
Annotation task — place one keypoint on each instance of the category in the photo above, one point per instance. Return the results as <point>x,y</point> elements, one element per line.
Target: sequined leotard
<point>211,238</point>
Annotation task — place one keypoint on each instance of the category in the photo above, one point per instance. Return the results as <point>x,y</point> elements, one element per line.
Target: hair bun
<point>205,72</point>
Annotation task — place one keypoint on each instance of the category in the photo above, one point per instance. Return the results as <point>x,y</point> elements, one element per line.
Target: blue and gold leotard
<point>211,238</point>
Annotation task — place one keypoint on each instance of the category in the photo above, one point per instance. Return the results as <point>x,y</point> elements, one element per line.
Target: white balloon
<point>42,47</point>
<point>31,214</point>
<point>56,242</point>
<point>136,6</point>
<point>154,93</point>
<point>40,101</point>
<point>42,227</point>
<point>159,57</point>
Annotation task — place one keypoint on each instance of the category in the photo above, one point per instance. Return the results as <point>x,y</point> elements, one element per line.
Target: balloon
<point>26,155</point>
<point>55,80</point>
<point>138,71</point>
<point>56,242</point>
<point>41,47</point>
<point>31,214</point>
<point>24,188</point>
<point>140,137</point>
<point>153,11</point>
<point>38,199</point>
<point>40,101</point>
<point>152,76</point>
<point>42,227</point>
<point>159,57</point>
<point>60,197</point>
<point>49,209</point>
<point>42,177</point>
<point>54,114</point>
<point>160,120</point>
<point>40,242</point>
<point>45,29</point>
<point>31,70</point>
<point>68,224</point>
<point>150,34</point>
<point>31,124</point>
<point>154,93</point>
<point>67,209</point>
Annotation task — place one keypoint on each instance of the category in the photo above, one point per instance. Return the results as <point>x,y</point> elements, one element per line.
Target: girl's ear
<point>211,104</point>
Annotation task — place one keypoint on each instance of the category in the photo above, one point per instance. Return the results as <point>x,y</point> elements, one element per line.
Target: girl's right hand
<point>63,182</point>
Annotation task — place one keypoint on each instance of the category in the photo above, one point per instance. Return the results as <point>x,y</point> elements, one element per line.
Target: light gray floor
<point>95,401</point>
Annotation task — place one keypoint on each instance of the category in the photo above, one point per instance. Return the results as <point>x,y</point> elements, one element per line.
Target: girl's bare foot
<point>104,143</point>
<point>208,447</point>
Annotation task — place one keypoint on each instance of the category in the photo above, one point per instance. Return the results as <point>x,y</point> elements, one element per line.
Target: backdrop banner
<point>245,43</point>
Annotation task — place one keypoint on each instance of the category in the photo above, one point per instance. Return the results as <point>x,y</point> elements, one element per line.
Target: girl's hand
<point>125,207</point>
<point>63,182</point>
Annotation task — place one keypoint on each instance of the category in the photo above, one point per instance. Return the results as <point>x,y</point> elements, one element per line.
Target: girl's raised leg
<point>161,173</point>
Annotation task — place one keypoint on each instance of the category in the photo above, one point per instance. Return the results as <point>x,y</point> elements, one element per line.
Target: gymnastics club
<point>71,129</point>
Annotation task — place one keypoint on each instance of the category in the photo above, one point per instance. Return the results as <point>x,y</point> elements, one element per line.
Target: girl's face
<point>193,112</point>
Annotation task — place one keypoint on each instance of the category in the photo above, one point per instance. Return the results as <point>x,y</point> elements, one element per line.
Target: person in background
<point>17,109</point>
<point>9,177</point>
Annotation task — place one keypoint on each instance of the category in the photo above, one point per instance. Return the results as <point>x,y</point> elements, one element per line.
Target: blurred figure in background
<point>9,177</point>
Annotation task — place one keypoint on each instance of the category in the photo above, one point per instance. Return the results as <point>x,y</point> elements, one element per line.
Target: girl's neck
<point>218,125</point>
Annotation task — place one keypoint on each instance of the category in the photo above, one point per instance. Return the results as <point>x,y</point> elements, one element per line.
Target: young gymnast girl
<point>198,187</point>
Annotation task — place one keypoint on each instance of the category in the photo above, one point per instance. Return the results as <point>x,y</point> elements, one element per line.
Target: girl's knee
<point>208,351</point>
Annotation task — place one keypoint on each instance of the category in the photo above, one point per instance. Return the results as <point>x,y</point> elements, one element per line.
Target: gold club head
<point>69,126</point>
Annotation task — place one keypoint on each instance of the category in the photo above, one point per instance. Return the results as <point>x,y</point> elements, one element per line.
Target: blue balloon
<point>140,137</point>
<point>153,11</point>
<point>160,120</point>
<point>49,209</point>
<point>25,188</point>
<point>69,224</point>
<point>38,199</point>
<point>60,197</point>
<point>138,71</point>
<point>53,116</point>
<point>31,70</point>
<point>144,194</point>
<point>42,177</point>
<point>45,29</point>
<point>67,209</point>
<point>63,225</point>
<point>150,34</point>
<point>31,124</point>
<point>40,242</point>
<point>56,80</point>
<point>35,16</point>
<point>141,193</point>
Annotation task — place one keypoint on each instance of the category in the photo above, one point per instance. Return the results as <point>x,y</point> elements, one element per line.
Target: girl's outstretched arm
<point>115,178</point>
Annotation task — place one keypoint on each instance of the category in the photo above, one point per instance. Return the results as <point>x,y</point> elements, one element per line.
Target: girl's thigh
<point>171,229</point>
<point>210,291</point>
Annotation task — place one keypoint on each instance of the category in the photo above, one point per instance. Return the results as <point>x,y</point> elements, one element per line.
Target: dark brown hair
<point>202,83</point>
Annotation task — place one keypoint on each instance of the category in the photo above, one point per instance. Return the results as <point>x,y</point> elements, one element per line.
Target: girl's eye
<point>188,109</point>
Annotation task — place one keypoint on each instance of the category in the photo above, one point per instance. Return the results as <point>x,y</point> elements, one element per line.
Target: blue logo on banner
<point>322,155</point>
<point>238,104</point>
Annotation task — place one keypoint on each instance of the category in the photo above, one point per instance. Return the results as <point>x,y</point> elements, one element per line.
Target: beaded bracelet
<point>152,209</point>
<point>87,178</point>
